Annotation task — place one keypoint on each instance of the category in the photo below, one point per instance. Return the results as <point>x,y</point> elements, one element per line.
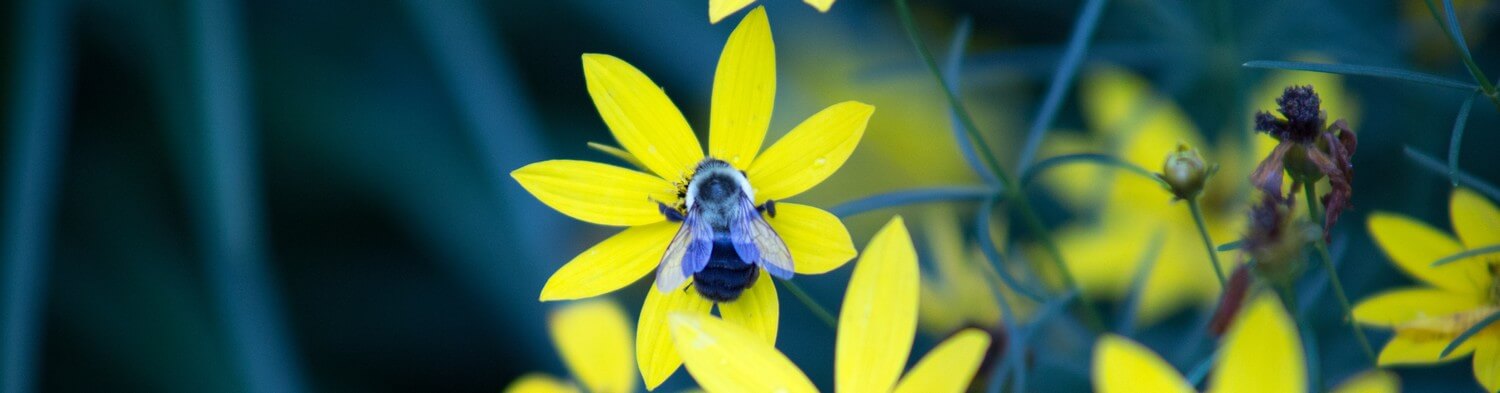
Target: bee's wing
<point>687,254</point>
<point>758,243</point>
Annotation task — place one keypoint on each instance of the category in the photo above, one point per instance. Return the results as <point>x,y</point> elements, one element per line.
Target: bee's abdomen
<point>726,276</point>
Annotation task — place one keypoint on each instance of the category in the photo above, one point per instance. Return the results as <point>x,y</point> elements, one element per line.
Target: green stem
<point>1485,87</point>
<point>812,305</point>
<point>1310,193</point>
<point>1208,243</point>
<point>1013,192</point>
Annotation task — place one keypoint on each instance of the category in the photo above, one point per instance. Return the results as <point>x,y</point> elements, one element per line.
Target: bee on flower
<point>710,226</point>
<point>876,327</point>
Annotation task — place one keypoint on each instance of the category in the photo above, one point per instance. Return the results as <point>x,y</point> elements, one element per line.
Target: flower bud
<point>1185,172</point>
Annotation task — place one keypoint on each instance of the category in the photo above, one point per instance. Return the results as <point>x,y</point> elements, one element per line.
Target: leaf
<point>1363,70</point>
<point>911,197</point>
<point>1455,144</point>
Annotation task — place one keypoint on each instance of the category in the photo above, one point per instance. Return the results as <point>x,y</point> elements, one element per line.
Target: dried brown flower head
<point>1308,151</point>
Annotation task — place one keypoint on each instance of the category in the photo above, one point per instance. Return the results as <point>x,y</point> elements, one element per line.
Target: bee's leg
<point>769,208</point>
<point>672,214</point>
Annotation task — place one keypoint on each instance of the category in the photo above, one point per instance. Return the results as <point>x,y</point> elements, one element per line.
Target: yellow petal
<point>757,309</point>
<point>1414,245</point>
<point>744,90</point>
<point>718,9</point>
<point>1399,306</point>
<point>612,264</point>
<point>539,383</point>
<point>1475,219</point>
<point>1421,347</point>
<point>1373,381</point>
<point>597,193</point>
<point>821,5</point>
<point>879,315</point>
<point>818,240</point>
<point>811,152</point>
<point>594,340</point>
<point>950,366</point>
<point>1487,362</point>
<point>1121,365</point>
<point>726,358</point>
<point>1262,335</point>
<point>643,120</point>
<point>655,354</point>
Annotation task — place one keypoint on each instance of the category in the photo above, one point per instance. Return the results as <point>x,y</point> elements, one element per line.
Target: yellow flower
<point>1131,121</point>
<point>876,328</point>
<point>1260,353</point>
<point>593,338</point>
<point>655,133</point>
<point>718,9</point>
<point>1452,297</point>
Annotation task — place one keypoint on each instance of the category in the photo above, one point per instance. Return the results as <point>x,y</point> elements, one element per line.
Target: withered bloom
<point>1276,238</point>
<point>1308,150</point>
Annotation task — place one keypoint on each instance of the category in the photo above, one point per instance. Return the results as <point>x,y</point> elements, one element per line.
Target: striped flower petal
<point>1422,347</point>
<point>950,366</point>
<point>1394,307</point>
<point>719,9</point>
<point>594,340</point>
<point>597,193</point>
<point>810,152</point>
<point>724,357</point>
<point>1373,381</point>
<point>641,117</point>
<point>612,264</point>
<point>1475,219</point>
<point>821,5</point>
<point>1487,362</point>
<point>1262,335</point>
<point>540,383</point>
<point>1414,245</point>
<point>655,354</point>
<point>879,316</point>
<point>744,91</point>
<point>1123,366</point>
<point>819,242</point>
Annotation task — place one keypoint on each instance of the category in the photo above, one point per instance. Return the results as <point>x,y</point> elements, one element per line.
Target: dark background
<point>367,147</point>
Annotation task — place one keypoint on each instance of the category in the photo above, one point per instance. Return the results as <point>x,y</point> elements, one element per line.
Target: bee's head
<point>716,181</point>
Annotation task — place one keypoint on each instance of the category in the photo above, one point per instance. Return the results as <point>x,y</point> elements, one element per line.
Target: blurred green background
<point>344,165</point>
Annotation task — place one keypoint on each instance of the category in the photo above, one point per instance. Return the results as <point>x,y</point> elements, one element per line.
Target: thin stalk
<point>910,197</point>
<point>1022,206</point>
<point>36,129</point>
<point>228,205</point>
<point>1455,36</point>
<point>812,305</point>
<point>992,253</point>
<point>1208,243</point>
<point>1062,80</point>
<point>1200,371</point>
<point>1465,179</point>
<point>1309,192</point>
